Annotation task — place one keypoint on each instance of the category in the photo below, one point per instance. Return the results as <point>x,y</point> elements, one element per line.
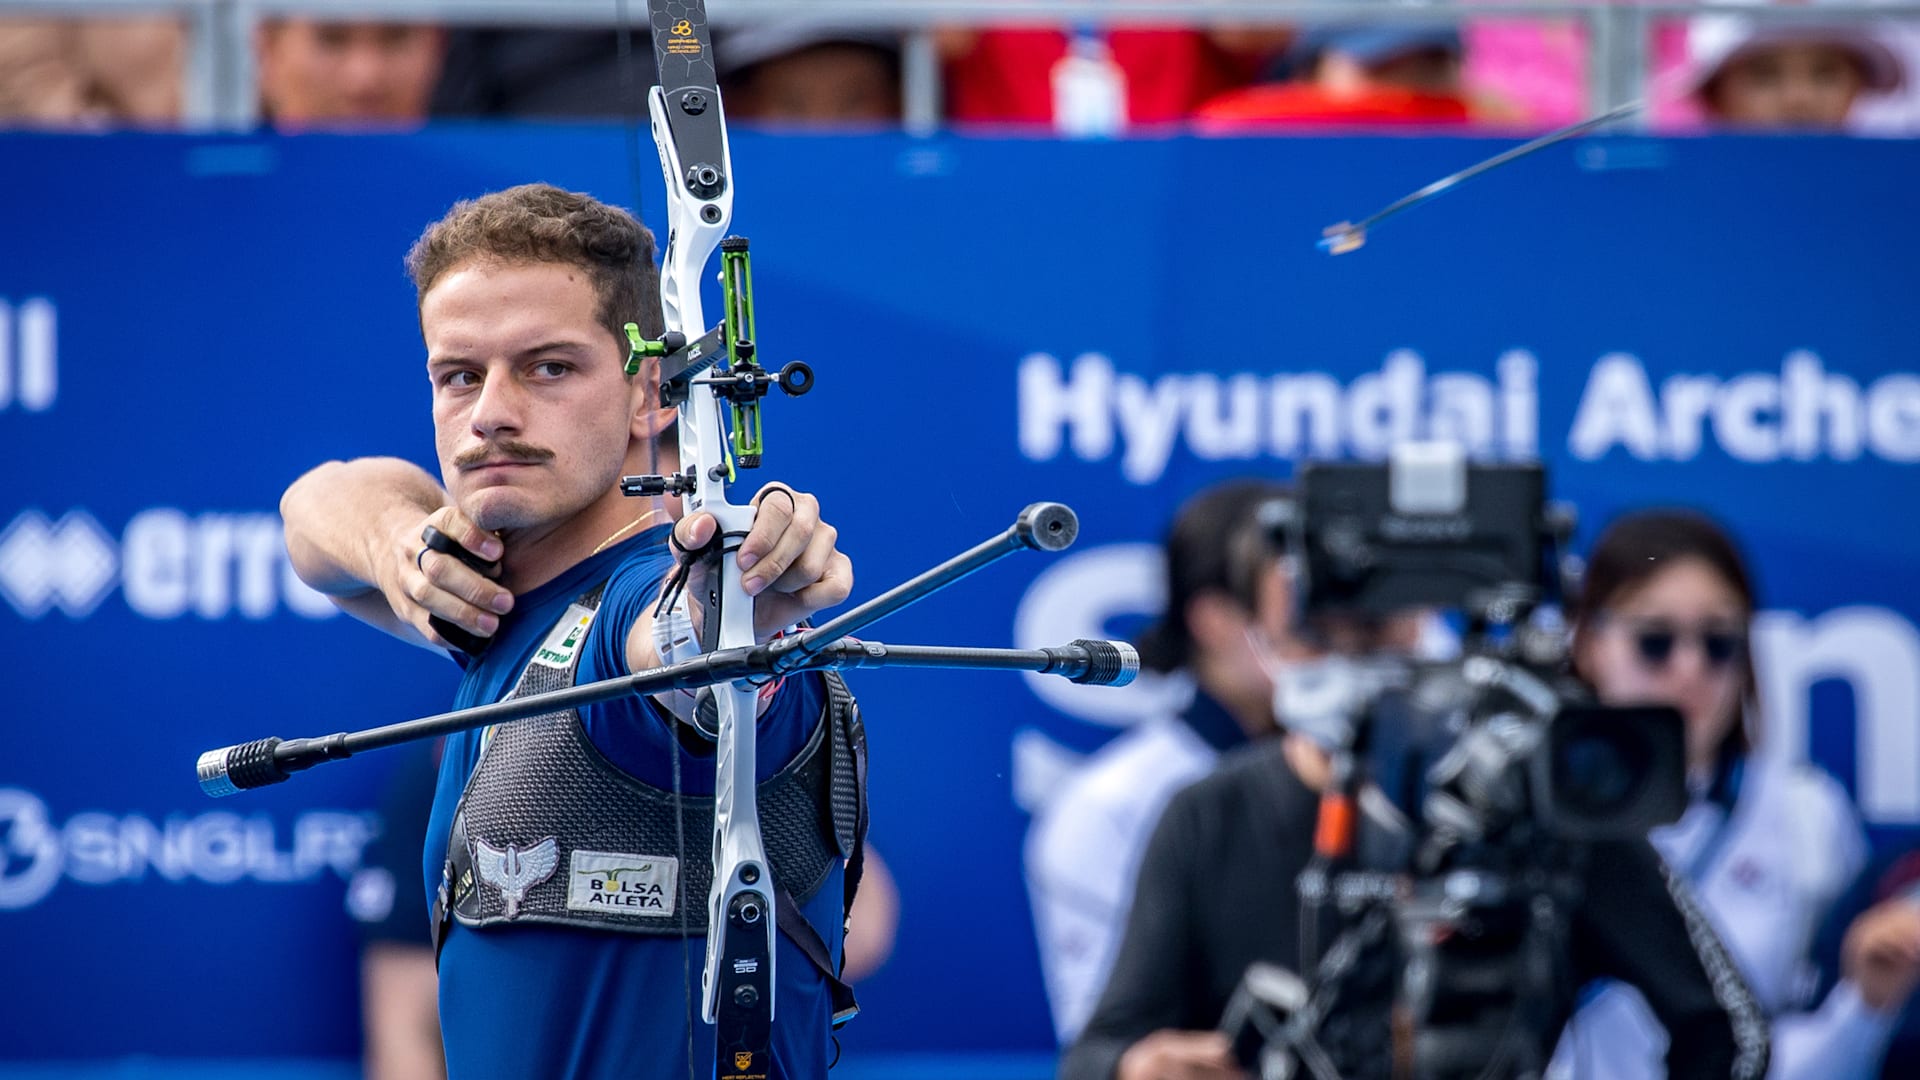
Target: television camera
<point>1465,792</point>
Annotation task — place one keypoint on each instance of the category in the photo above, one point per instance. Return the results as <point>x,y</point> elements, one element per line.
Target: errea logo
<point>70,564</point>
<point>29,365</point>
<point>168,565</point>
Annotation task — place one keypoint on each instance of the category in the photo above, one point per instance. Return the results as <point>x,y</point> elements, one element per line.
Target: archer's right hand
<point>420,584</point>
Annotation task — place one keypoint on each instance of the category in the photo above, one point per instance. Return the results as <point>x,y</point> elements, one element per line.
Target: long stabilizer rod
<point>232,769</point>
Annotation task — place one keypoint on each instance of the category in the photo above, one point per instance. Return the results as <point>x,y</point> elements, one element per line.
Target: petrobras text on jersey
<point>168,564</point>
<point>1874,650</point>
<point>1801,412</point>
<point>97,847</point>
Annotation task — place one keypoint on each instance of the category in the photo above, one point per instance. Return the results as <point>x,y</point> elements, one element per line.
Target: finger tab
<point>447,545</point>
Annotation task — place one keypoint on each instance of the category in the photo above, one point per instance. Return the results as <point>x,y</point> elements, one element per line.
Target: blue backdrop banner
<point>186,324</point>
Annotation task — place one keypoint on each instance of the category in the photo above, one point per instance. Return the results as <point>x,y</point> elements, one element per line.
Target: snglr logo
<point>111,849</point>
<point>29,366</point>
<point>30,850</point>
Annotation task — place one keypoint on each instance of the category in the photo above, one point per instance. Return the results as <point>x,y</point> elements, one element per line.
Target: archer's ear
<point>648,421</point>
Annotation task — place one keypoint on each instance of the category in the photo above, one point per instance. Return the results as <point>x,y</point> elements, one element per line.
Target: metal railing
<point>221,87</point>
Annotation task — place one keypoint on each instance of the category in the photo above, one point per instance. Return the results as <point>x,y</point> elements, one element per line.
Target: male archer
<point>567,857</point>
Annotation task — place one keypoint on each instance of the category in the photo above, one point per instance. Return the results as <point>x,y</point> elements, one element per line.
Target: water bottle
<point>1089,89</point>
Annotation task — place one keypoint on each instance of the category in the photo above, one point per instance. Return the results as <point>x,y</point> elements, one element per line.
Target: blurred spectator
<point>1896,113</point>
<point>1752,74</point>
<point>1528,71</point>
<point>545,74</point>
<point>797,73</point>
<point>91,72</point>
<point>1391,73</point>
<point>1227,599</point>
<point>874,922</point>
<point>399,995</point>
<point>1010,76</point>
<point>1767,844</point>
<point>1894,876</point>
<point>1354,59</point>
<point>315,73</point>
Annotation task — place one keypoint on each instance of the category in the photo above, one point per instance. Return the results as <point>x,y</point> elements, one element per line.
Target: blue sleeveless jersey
<point>550,1001</point>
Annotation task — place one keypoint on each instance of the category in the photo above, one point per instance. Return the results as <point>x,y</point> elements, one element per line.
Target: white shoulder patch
<point>565,638</point>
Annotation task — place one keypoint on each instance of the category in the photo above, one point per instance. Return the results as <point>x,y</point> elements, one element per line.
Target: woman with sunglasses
<point>1765,846</point>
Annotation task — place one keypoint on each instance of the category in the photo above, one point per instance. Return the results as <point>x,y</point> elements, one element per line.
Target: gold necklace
<point>625,529</point>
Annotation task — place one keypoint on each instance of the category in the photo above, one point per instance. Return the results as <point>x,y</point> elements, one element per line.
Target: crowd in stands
<point>1720,70</point>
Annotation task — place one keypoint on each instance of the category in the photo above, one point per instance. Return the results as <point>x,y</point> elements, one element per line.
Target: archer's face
<point>532,413</point>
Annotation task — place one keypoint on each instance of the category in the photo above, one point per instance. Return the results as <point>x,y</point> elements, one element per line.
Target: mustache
<point>505,451</point>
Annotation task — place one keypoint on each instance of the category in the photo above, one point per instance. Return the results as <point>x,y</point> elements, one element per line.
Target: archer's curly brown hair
<point>540,223</point>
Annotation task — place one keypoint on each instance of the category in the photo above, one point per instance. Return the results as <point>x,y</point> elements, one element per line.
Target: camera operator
<point>1766,845</point>
<point>1218,892</point>
<point>1227,628</point>
<point>1225,599</point>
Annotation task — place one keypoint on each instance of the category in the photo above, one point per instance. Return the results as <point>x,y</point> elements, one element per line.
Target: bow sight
<point>742,384</point>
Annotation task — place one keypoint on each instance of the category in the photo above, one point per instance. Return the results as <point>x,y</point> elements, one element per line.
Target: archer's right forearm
<point>339,515</point>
